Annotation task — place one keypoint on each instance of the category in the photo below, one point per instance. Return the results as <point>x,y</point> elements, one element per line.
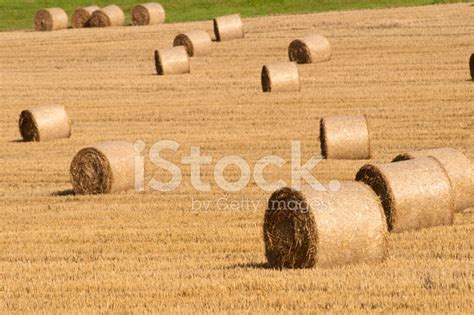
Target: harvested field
<point>407,69</point>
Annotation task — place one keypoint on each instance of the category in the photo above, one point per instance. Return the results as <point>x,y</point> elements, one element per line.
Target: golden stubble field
<point>407,69</point>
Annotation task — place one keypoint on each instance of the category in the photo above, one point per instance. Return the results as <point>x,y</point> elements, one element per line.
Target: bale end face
<point>471,66</point>
<point>183,40</point>
<point>100,19</point>
<point>266,81</point>
<point>28,127</point>
<point>81,16</point>
<point>299,52</point>
<point>322,139</point>
<point>158,64</point>
<point>91,172</point>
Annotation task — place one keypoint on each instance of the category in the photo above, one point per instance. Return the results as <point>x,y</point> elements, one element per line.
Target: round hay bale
<point>281,77</point>
<point>104,168</point>
<point>344,137</point>
<point>111,15</point>
<point>197,42</point>
<point>52,19</point>
<point>459,170</point>
<point>148,14</point>
<point>471,66</point>
<point>172,61</point>
<point>310,49</point>
<point>415,193</point>
<point>324,228</point>
<point>81,16</point>
<point>228,27</point>
<point>44,123</point>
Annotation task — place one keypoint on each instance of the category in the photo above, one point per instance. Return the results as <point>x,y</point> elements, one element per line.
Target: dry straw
<point>148,14</point>
<point>310,49</point>
<point>197,42</point>
<point>471,66</point>
<point>459,170</point>
<point>228,27</point>
<point>104,168</point>
<point>111,15</point>
<point>44,123</point>
<point>52,19</point>
<point>344,137</point>
<point>415,193</point>
<point>81,16</point>
<point>281,77</point>
<point>324,228</point>
<point>172,61</point>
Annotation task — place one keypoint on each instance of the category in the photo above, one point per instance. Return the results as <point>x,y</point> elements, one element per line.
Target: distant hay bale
<point>81,16</point>
<point>52,19</point>
<point>415,193</point>
<point>310,49</point>
<point>228,27</point>
<point>172,61</point>
<point>111,15</point>
<point>44,123</point>
<point>344,137</point>
<point>148,14</point>
<point>281,77</point>
<point>471,66</point>
<point>104,168</point>
<point>459,170</point>
<point>197,42</point>
<point>324,228</point>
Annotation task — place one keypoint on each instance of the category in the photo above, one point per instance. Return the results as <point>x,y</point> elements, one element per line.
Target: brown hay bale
<point>324,228</point>
<point>148,14</point>
<point>459,170</point>
<point>471,66</point>
<point>281,77</point>
<point>344,137</point>
<point>81,16</point>
<point>104,168</point>
<point>415,194</point>
<point>172,61</point>
<point>111,15</point>
<point>310,49</point>
<point>52,19</point>
<point>228,27</point>
<point>197,42</point>
<point>44,123</point>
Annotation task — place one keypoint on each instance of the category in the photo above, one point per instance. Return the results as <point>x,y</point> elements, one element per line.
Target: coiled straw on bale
<point>44,123</point>
<point>81,16</point>
<point>344,137</point>
<point>459,170</point>
<point>104,168</point>
<point>324,228</point>
<point>310,49</point>
<point>172,61</point>
<point>228,27</point>
<point>111,15</point>
<point>281,77</point>
<point>52,19</point>
<point>415,194</point>
<point>197,42</point>
<point>148,14</point>
<point>471,66</point>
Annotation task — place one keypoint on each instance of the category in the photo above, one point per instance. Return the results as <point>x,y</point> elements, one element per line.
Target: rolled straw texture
<point>471,66</point>
<point>52,19</point>
<point>459,170</point>
<point>104,168</point>
<point>415,194</point>
<point>281,77</point>
<point>172,61</point>
<point>44,123</point>
<point>148,14</point>
<point>197,42</point>
<point>344,137</point>
<point>81,16</point>
<point>111,15</point>
<point>310,49</point>
<point>324,228</point>
<point>228,27</point>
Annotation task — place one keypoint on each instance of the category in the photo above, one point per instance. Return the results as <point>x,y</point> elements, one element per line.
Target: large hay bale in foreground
<point>111,15</point>
<point>228,27</point>
<point>471,66</point>
<point>344,137</point>
<point>459,170</point>
<point>324,228</point>
<point>281,77</point>
<point>197,42</point>
<point>310,49</point>
<point>52,19</point>
<point>148,14</point>
<point>44,123</point>
<point>172,61</point>
<point>82,16</point>
<point>104,168</point>
<point>415,193</point>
